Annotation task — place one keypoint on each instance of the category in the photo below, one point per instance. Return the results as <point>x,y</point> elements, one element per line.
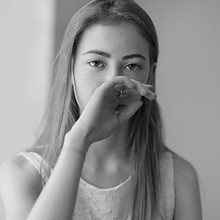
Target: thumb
<point>129,111</point>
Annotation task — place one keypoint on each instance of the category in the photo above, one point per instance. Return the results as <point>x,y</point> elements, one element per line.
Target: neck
<point>112,149</point>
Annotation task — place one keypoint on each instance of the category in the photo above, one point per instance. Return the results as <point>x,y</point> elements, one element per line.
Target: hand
<point>111,104</point>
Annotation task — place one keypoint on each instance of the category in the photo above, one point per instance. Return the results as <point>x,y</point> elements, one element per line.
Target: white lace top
<point>116,203</point>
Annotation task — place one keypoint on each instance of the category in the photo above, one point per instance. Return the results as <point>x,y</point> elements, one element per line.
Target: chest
<point>106,178</point>
<point>105,204</point>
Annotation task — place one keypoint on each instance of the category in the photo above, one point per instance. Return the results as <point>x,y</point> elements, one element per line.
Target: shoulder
<point>188,204</point>
<point>183,170</point>
<point>18,168</point>
<point>20,182</point>
<point>17,164</point>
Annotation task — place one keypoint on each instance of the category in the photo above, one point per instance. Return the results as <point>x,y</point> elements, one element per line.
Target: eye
<point>96,64</point>
<point>133,66</point>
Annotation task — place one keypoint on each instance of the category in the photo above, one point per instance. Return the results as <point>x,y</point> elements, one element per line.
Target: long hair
<point>145,142</point>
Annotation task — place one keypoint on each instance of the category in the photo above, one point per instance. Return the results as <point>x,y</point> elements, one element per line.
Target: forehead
<point>117,39</point>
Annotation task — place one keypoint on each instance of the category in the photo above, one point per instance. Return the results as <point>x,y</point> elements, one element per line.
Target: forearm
<point>57,200</point>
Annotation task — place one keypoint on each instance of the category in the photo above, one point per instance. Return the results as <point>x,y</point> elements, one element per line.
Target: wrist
<point>77,139</point>
<point>75,151</point>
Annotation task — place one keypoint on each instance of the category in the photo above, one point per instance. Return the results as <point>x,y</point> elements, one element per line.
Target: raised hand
<point>111,104</point>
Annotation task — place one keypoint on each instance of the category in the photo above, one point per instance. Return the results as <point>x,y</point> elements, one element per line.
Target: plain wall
<point>26,47</point>
<point>188,87</point>
<point>188,78</point>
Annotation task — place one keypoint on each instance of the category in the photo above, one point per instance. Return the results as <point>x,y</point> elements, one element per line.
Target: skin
<point>102,57</point>
<point>99,133</point>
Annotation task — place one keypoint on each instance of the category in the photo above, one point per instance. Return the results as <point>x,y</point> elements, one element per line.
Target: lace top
<point>115,203</point>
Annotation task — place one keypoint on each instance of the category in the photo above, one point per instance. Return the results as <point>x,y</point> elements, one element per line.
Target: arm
<point>188,203</point>
<point>23,197</point>
<point>21,193</point>
<point>20,185</point>
<point>58,197</point>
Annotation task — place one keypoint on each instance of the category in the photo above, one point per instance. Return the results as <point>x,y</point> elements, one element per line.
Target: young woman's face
<point>106,51</point>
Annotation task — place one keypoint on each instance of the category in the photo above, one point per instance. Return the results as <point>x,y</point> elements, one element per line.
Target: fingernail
<point>154,96</point>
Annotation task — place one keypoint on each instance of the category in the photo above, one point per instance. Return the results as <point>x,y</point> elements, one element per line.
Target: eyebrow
<point>99,52</point>
<point>135,55</point>
<point>107,55</point>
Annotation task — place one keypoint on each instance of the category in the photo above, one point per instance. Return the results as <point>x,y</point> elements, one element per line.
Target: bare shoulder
<point>20,184</point>
<point>184,170</point>
<point>18,165</point>
<point>188,203</point>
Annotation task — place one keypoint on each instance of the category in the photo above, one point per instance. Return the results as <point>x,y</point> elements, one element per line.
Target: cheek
<point>84,85</point>
<point>141,77</point>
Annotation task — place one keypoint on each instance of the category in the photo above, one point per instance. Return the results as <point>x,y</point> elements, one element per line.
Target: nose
<point>113,72</point>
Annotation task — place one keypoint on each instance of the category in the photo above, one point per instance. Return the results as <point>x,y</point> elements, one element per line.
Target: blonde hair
<point>145,142</point>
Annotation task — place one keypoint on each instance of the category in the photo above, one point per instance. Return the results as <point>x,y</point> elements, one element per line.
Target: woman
<point>101,153</point>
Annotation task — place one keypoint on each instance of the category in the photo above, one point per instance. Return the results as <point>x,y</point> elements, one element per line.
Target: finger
<point>129,111</point>
<point>145,90</point>
<point>140,86</point>
<point>150,94</point>
<point>131,92</point>
<point>122,81</point>
<point>129,99</point>
<point>128,96</point>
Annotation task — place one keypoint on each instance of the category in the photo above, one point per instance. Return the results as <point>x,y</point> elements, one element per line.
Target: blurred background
<point>188,78</point>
